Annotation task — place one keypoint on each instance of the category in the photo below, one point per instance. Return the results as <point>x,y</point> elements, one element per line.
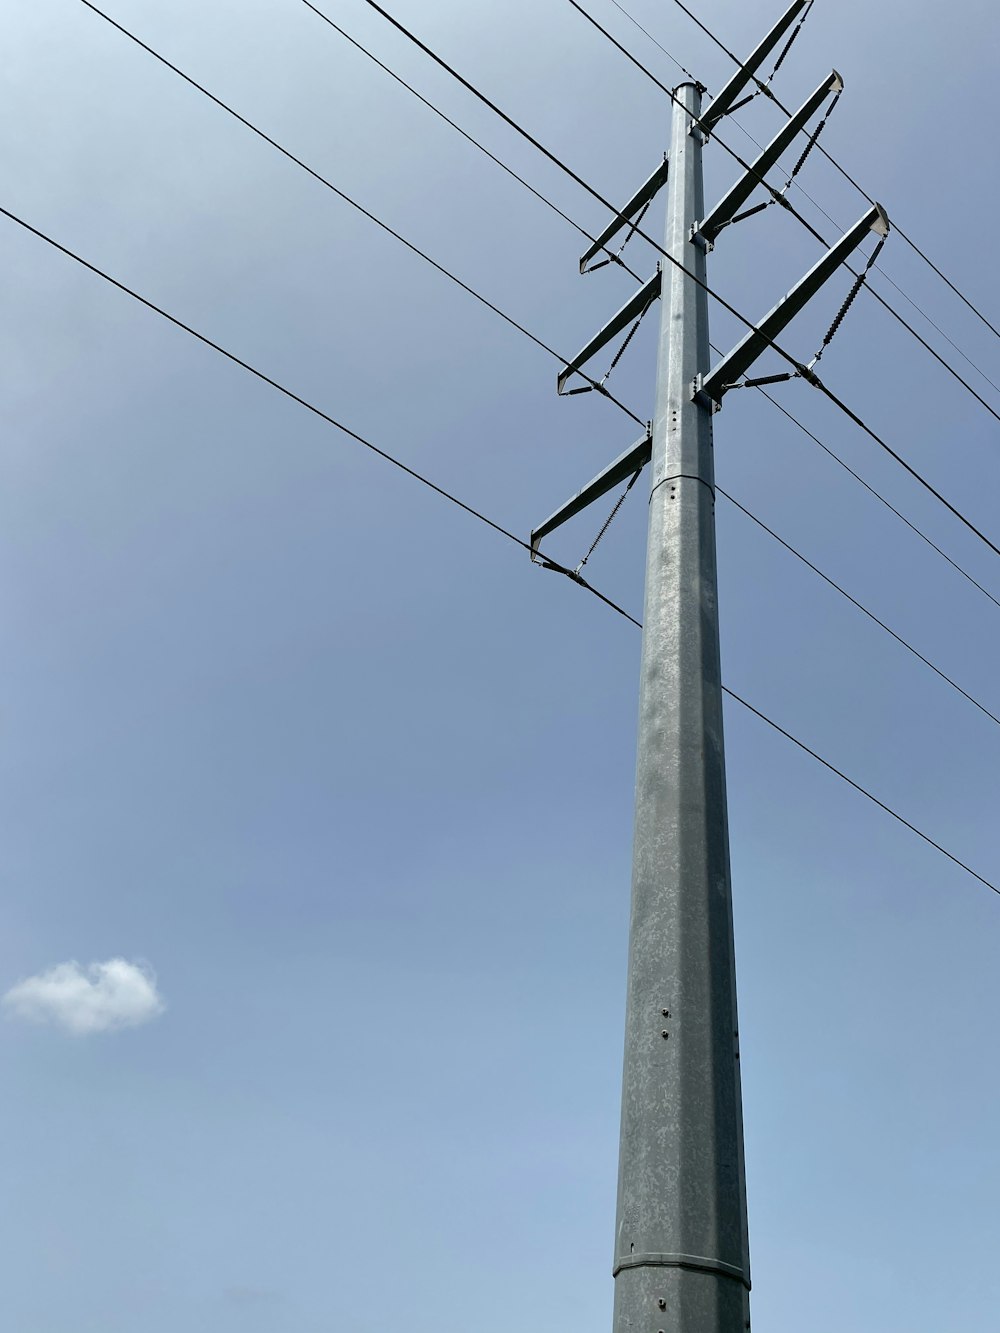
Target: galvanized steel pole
<point>681,1249</point>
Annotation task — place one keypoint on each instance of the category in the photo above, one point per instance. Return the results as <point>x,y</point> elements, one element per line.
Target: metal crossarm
<point>726,100</point>
<point>630,462</point>
<point>725,210</point>
<point>712,389</point>
<point>647,191</point>
<point>629,311</point>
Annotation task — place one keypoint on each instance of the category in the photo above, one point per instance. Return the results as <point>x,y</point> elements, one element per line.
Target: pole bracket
<point>701,397</point>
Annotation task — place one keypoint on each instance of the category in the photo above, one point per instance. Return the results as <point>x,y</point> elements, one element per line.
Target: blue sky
<point>354,780</point>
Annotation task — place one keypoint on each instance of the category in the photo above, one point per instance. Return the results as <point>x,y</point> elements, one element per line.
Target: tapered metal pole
<point>681,1251</point>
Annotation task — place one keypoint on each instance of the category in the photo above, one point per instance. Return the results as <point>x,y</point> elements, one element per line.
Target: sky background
<point>355,780</point>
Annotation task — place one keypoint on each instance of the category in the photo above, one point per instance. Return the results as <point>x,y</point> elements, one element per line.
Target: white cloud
<point>100,998</point>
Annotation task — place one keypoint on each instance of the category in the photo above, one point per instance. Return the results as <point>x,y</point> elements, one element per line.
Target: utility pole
<point>681,1247</point>
<point>681,1255</point>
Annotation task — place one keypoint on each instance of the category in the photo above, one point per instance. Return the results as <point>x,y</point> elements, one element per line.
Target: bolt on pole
<point>681,1249</point>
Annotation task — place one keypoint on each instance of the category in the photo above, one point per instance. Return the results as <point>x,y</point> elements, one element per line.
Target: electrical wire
<point>614,258</point>
<point>467,508</point>
<point>414,249</point>
<point>797,183</point>
<point>633,20</point>
<point>439,490</point>
<point>934,325</point>
<point>837,459</point>
<point>877,495</point>
<point>726,305</point>
<point>858,605</point>
<point>846,175</point>
<point>523,330</point>
<point>514,323</point>
<point>310,407</point>
<point>596,385</point>
<point>863,790</point>
<point>777,197</point>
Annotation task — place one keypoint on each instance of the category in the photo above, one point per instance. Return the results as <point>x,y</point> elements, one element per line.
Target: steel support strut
<point>681,1251</point>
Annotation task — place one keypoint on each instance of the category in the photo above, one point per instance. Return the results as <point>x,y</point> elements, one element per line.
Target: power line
<point>878,496</point>
<point>476,143</point>
<point>633,20</point>
<point>372,217</point>
<point>863,790</point>
<point>934,325</point>
<point>797,184</point>
<point>858,605</point>
<point>461,504</point>
<point>527,332</point>
<point>837,459</point>
<point>420,477</point>
<point>597,385</point>
<point>310,407</point>
<point>846,175</point>
<point>777,197</point>
<point>726,305</point>
<point>414,249</point>
<point>802,190</point>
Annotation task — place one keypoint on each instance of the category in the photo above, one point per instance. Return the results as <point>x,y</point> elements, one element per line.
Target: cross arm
<point>725,210</point>
<point>745,353</point>
<point>625,466</point>
<point>642,196</point>
<point>632,309</point>
<point>745,73</point>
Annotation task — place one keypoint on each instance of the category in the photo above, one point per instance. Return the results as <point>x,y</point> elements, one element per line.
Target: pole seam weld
<point>682,476</point>
<point>696,1263</point>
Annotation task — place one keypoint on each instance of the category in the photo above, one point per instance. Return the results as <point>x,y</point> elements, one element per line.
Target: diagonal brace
<point>647,191</point>
<point>613,475</point>
<point>629,311</point>
<point>713,387</point>
<point>723,104</point>
<point>725,210</point>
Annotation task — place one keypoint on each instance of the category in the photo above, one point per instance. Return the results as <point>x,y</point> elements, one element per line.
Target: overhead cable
<point>467,508</point>
<point>633,20</point>
<point>878,268</point>
<point>773,401</point>
<point>599,385</point>
<point>863,790</point>
<point>877,495</point>
<point>551,352</point>
<point>304,402</point>
<point>612,258</point>
<point>726,305</point>
<point>858,605</point>
<point>365,212</point>
<point>846,174</point>
<point>779,198</point>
